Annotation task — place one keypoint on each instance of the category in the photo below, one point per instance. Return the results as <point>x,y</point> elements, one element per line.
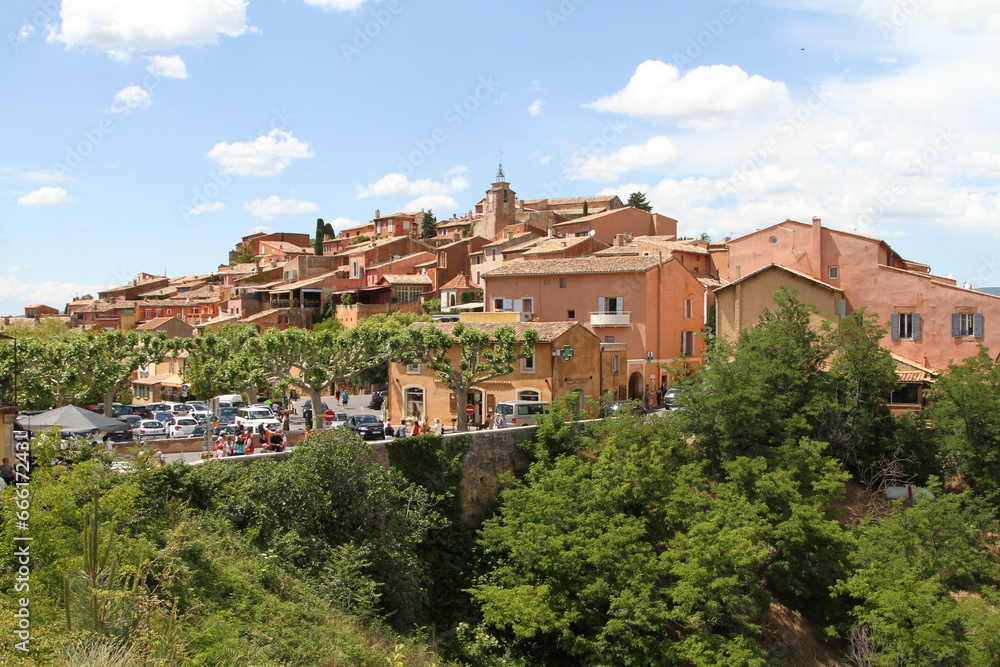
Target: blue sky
<point>150,135</point>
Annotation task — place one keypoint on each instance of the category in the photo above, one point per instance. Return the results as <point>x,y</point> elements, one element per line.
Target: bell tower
<point>501,202</point>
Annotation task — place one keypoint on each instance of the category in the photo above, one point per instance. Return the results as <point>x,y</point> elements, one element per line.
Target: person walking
<point>343,397</point>
<point>438,428</point>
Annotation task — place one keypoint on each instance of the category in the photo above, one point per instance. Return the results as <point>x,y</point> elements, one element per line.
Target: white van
<point>253,418</point>
<point>225,401</point>
<point>521,413</point>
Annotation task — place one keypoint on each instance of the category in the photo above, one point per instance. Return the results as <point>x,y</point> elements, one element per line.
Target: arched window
<point>529,395</point>
<point>413,402</point>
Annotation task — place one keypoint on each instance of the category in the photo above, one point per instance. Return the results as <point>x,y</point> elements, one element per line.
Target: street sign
<point>329,415</point>
<point>470,409</point>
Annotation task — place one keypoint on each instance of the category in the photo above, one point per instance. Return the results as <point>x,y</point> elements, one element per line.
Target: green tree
<point>224,361</point>
<point>764,390</point>
<point>428,225</point>
<point>319,238</point>
<point>118,355</point>
<point>586,209</point>
<point>920,577</point>
<point>313,360</point>
<point>482,355</point>
<point>856,421</point>
<point>245,255</point>
<point>638,200</point>
<point>964,412</point>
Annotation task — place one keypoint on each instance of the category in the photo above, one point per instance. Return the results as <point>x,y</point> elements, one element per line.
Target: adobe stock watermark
<point>713,30</point>
<point>92,138</point>
<point>928,157</point>
<point>30,26</point>
<point>562,12</point>
<point>371,30</point>
<point>22,545</point>
<point>898,17</point>
<point>784,129</point>
<point>596,147</point>
<point>452,119</point>
<point>207,194</point>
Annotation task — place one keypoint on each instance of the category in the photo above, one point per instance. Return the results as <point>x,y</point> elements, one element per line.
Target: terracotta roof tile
<point>593,264</point>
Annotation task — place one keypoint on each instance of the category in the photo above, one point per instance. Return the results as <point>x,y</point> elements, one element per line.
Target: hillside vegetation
<point>743,529</point>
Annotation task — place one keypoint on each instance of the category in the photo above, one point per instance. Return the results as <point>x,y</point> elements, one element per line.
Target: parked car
<point>521,413</point>
<point>121,436</point>
<point>253,418</point>
<point>308,405</point>
<point>339,419</point>
<point>199,408</point>
<point>368,427</point>
<point>670,398</point>
<point>227,412</point>
<point>148,428</point>
<point>165,418</point>
<point>131,420</point>
<point>376,402</point>
<point>184,427</point>
<point>139,410</point>
<point>227,429</point>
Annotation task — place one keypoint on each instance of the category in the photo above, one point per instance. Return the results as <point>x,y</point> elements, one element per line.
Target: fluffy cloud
<point>129,99</point>
<point>167,67</point>
<point>439,203</point>
<point>274,207</point>
<point>18,267</point>
<point>340,222</point>
<point>400,184</point>
<point>15,293</point>
<point>267,155</point>
<point>206,208</point>
<point>123,26</point>
<point>44,196</point>
<point>535,107</point>
<point>336,5</point>
<point>703,98</point>
<point>657,153</point>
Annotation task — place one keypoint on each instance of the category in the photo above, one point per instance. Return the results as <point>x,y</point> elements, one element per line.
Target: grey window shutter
<point>916,326</point>
<point>600,304</point>
<point>977,325</point>
<point>894,318</point>
<point>955,317</point>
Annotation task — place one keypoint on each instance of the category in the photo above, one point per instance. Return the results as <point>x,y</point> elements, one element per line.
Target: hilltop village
<point>618,296</point>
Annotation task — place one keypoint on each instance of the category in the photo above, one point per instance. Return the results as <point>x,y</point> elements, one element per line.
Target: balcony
<point>610,319</point>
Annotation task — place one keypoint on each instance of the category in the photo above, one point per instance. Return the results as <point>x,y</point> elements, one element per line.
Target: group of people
<point>244,441</point>
<point>413,426</point>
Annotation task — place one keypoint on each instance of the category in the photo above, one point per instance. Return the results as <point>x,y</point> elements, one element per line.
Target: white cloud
<point>439,203</point>
<point>274,207</point>
<point>56,294</point>
<point>130,98</point>
<point>888,60</point>
<point>657,153</point>
<point>26,31</point>
<point>336,5</point>
<point>168,67</point>
<point>535,107</point>
<point>267,155</point>
<point>340,222</point>
<point>44,196</point>
<point>206,208</point>
<point>120,27</point>
<point>18,267</point>
<point>400,184</point>
<point>703,98</point>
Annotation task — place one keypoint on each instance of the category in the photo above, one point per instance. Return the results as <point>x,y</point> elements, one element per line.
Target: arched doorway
<point>635,388</point>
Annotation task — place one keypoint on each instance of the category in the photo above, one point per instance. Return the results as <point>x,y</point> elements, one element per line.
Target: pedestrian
<point>161,459</point>
<point>438,427</point>
<point>241,446</point>
<point>401,431</point>
<point>415,428</point>
<point>344,397</point>
<point>7,472</point>
<point>277,442</point>
<point>286,423</point>
<point>387,429</point>
<point>499,421</point>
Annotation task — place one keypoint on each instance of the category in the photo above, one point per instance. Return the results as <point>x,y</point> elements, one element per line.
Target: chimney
<point>378,213</point>
<point>817,248</point>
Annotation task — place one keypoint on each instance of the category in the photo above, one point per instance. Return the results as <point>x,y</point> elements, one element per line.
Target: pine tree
<point>320,233</point>
<point>586,211</point>
<point>428,226</point>
<point>638,200</point>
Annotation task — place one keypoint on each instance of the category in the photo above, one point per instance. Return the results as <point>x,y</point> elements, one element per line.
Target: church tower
<point>501,203</point>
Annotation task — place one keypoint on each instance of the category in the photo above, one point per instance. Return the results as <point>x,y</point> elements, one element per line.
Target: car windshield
<point>259,414</point>
<point>367,419</point>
